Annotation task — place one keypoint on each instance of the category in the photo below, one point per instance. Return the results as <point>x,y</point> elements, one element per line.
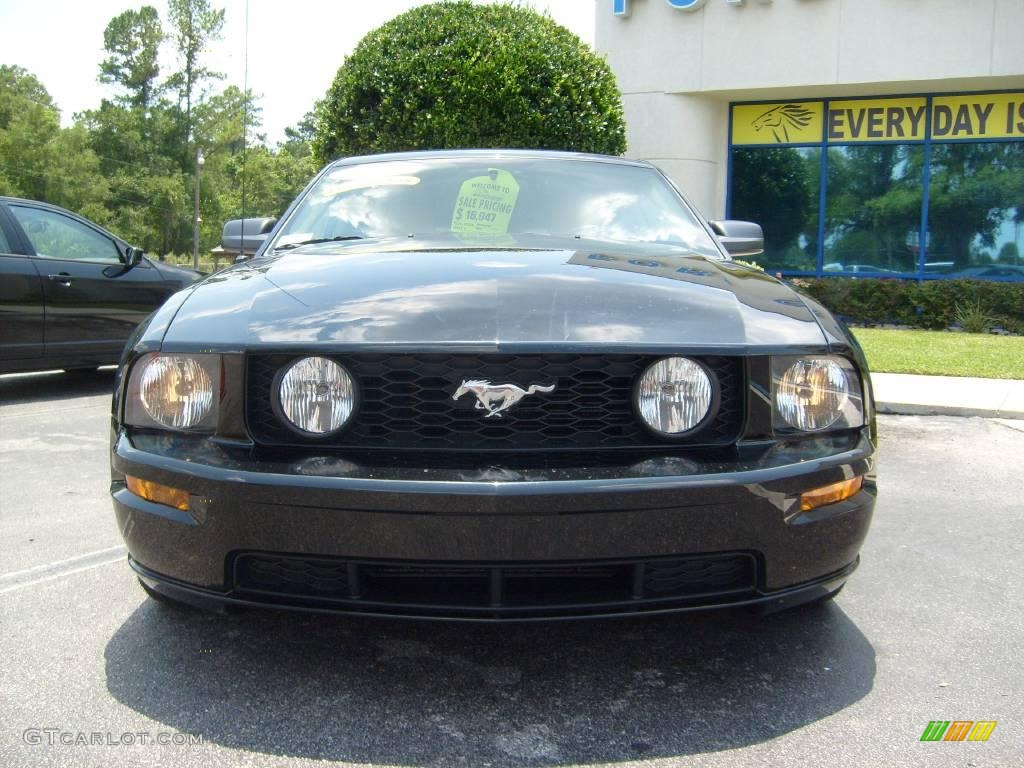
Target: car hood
<point>407,292</point>
<point>175,274</point>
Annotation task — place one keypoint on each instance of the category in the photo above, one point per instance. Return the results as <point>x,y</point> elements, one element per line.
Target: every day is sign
<point>906,118</point>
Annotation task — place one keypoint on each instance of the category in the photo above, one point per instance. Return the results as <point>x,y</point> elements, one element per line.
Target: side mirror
<point>739,238</point>
<point>131,256</point>
<point>243,237</point>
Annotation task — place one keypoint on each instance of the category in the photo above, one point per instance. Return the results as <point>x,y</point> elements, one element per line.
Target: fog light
<point>674,395</point>
<point>830,494</point>
<point>159,494</point>
<point>317,395</point>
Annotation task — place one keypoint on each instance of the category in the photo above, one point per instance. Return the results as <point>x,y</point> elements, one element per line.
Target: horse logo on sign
<point>781,118</point>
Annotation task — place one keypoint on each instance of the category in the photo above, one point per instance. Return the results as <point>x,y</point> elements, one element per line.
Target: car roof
<point>40,203</point>
<point>484,153</point>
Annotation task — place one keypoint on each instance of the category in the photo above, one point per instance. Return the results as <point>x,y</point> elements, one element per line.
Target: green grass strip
<point>943,353</point>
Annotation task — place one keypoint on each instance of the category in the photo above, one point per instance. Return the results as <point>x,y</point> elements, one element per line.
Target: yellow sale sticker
<point>485,204</point>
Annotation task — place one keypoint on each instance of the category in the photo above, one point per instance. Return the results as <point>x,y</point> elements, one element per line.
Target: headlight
<point>816,392</point>
<point>174,392</point>
<point>674,395</point>
<point>316,395</point>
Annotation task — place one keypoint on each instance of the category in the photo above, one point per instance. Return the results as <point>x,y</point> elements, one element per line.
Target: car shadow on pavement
<point>414,693</point>
<point>48,387</point>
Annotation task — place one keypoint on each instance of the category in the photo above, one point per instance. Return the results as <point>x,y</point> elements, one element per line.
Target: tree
<point>20,90</point>
<point>217,123</point>
<point>146,143</point>
<point>39,159</point>
<point>29,121</point>
<point>453,74</point>
<point>132,40</point>
<point>129,162</point>
<point>299,138</point>
<point>269,180</point>
<point>195,26</point>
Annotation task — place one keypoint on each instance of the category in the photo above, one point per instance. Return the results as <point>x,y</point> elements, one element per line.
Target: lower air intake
<point>497,590</point>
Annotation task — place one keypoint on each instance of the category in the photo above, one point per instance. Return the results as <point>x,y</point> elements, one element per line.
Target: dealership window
<point>781,190</point>
<point>976,209</point>
<point>917,187</point>
<point>873,209</point>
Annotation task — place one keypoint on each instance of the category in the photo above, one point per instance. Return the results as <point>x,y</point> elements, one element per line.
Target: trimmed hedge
<point>457,75</point>
<point>932,304</point>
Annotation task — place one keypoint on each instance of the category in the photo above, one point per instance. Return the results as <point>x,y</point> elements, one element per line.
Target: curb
<point>917,409</point>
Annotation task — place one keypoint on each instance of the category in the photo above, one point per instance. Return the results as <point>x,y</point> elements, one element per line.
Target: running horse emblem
<point>781,118</point>
<point>497,398</point>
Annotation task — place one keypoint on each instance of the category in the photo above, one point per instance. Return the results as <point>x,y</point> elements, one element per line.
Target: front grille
<point>497,589</point>
<point>405,402</point>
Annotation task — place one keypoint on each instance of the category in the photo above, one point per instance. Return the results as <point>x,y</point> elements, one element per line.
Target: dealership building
<point>867,136</point>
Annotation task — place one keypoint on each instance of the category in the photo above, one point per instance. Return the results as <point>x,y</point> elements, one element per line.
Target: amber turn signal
<point>159,494</point>
<point>830,494</point>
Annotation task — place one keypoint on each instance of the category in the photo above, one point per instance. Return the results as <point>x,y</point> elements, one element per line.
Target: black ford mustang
<point>493,385</point>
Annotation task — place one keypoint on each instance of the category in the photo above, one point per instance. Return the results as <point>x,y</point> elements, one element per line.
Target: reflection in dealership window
<point>976,209</point>
<point>873,208</point>
<point>778,188</point>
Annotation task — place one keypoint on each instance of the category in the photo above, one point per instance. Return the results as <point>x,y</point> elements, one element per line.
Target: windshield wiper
<point>315,240</point>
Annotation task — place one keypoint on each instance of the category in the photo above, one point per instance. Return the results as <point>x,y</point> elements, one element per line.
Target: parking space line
<point>40,573</point>
<point>6,414</point>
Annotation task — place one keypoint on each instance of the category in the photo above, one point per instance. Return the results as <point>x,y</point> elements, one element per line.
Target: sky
<point>294,47</point>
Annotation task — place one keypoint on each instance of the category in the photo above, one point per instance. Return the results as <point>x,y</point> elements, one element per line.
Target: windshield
<point>493,199</point>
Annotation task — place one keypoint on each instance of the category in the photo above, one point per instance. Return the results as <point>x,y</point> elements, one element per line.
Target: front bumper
<point>502,542</point>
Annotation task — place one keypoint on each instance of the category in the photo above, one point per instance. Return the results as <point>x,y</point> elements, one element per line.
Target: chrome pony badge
<point>497,398</point>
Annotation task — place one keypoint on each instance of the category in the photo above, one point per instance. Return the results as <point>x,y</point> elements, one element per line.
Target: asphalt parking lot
<point>929,628</point>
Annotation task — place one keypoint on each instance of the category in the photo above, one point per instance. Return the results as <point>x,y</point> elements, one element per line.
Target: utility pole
<point>195,214</point>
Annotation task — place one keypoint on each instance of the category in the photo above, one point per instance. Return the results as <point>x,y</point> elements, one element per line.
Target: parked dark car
<point>991,271</point>
<point>71,293</point>
<point>870,269</point>
<point>494,385</point>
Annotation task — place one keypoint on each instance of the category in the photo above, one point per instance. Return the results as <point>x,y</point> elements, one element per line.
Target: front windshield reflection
<point>494,198</point>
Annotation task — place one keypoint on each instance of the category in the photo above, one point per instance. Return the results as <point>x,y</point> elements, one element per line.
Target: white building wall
<point>679,70</point>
